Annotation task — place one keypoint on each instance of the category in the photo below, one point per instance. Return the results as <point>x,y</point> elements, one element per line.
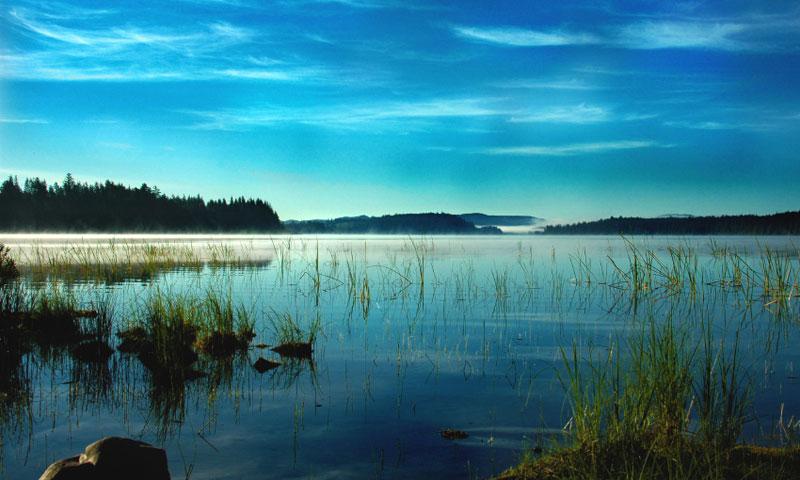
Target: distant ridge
<point>786,223</point>
<point>482,220</point>
<point>404,223</point>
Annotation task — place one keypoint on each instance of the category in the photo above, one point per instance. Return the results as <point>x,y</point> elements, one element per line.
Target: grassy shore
<point>663,403</point>
<point>640,461</point>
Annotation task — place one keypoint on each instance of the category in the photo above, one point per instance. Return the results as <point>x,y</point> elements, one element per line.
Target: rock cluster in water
<point>112,457</point>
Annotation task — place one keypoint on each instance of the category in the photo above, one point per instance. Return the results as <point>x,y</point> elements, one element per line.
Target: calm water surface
<point>477,347</point>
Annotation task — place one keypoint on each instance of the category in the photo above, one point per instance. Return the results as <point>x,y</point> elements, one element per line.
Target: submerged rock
<point>294,349</point>
<point>92,351</point>
<point>112,457</point>
<point>453,434</point>
<point>263,365</point>
<point>133,341</point>
<point>218,344</point>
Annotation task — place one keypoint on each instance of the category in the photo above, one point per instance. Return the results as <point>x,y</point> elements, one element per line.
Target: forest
<point>35,206</point>
<point>405,223</point>
<point>786,223</point>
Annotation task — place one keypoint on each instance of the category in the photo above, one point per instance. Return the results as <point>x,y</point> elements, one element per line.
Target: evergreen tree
<point>111,207</point>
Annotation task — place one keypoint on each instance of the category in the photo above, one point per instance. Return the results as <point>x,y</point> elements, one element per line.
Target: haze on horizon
<point>329,108</point>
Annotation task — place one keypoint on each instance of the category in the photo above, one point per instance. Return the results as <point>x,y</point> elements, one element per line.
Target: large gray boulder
<point>112,457</point>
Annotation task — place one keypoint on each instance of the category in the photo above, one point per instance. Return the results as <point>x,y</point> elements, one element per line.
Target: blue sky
<point>565,110</point>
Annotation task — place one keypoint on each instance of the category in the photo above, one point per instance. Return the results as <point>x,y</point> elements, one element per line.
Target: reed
<point>660,404</point>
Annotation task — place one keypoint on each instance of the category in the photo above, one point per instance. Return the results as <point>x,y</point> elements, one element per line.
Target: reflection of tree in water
<point>16,418</point>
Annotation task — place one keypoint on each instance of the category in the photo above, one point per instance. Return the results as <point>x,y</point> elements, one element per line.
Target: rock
<point>262,365</point>
<point>193,374</point>
<point>69,469</point>
<point>294,349</point>
<point>453,434</point>
<point>92,351</point>
<point>134,340</point>
<point>112,457</point>
<point>218,344</point>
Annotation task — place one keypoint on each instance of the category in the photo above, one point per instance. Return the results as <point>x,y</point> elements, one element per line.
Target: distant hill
<point>483,220</point>
<point>787,223</point>
<point>405,223</point>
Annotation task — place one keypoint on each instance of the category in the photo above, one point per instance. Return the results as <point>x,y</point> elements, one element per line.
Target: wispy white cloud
<point>117,145</point>
<point>54,10</point>
<point>747,33</point>
<point>716,125</point>
<point>573,114</point>
<point>22,120</point>
<point>396,115</point>
<point>101,121</point>
<point>407,115</point>
<point>550,84</point>
<point>259,74</point>
<point>572,149</point>
<point>652,35</point>
<point>213,36</point>
<point>365,4</point>
<point>521,37</point>
<point>128,52</point>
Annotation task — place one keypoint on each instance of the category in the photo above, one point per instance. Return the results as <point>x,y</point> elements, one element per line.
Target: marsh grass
<point>286,329</point>
<point>225,329</point>
<point>659,404</point>
<point>8,267</point>
<point>164,337</point>
<point>115,261</point>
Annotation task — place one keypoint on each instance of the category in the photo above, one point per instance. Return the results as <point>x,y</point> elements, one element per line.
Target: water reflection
<point>415,337</point>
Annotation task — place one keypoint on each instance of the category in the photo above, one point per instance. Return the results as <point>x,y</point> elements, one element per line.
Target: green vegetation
<point>661,405</point>
<point>8,267</point>
<point>111,207</point>
<point>291,339</point>
<point>170,328</point>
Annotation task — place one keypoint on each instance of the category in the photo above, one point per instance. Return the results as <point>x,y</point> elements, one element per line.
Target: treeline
<point>405,223</point>
<point>112,207</point>
<point>787,223</point>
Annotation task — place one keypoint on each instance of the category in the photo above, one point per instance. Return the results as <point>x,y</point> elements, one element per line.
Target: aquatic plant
<point>291,339</point>
<point>8,267</point>
<point>658,405</point>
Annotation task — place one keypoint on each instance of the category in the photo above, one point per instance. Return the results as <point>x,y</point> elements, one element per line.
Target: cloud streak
<point>113,52</point>
<point>571,149</point>
<point>22,120</point>
<point>747,34</point>
<point>408,115</point>
<point>579,114</point>
<point>520,37</point>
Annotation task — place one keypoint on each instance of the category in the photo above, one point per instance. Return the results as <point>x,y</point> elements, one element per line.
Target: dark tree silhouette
<point>787,223</point>
<point>113,207</point>
<point>404,223</point>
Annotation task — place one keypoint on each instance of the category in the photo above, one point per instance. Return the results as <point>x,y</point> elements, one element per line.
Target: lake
<point>415,335</point>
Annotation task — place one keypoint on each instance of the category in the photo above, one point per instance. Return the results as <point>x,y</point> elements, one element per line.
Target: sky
<point>564,110</point>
